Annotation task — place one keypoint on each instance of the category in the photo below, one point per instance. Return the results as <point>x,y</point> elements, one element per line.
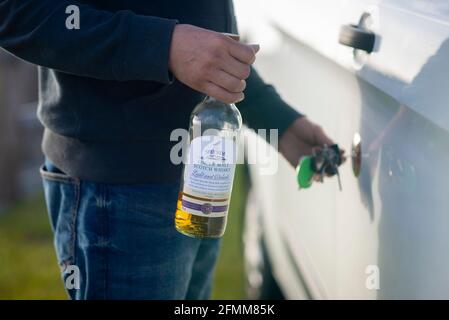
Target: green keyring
<point>304,172</point>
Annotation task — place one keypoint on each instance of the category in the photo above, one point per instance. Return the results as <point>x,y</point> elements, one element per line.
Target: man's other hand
<point>301,138</point>
<point>211,62</point>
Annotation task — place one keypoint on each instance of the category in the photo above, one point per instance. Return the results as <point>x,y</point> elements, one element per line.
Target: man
<point>111,91</point>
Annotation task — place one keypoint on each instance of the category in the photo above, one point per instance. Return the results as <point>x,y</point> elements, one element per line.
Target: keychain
<point>322,162</point>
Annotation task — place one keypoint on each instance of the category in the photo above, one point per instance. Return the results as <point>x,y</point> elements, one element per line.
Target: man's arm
<point>263,108</point>
<point>110,46</point>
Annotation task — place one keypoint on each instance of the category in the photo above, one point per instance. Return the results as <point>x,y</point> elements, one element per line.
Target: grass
<point>28,268</point>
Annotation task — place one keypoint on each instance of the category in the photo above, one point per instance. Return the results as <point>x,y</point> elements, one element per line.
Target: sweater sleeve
<point>108,45</point>
<point>263,108</point>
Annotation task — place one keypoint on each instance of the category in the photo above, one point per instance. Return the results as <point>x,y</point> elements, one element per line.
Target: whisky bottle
<point>209,167</point>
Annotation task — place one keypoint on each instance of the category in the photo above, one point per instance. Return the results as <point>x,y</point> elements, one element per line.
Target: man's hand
<point>301,138</point>
<point>211,62</point>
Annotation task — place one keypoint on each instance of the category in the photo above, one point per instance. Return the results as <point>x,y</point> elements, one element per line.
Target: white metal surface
<point>395,216</point>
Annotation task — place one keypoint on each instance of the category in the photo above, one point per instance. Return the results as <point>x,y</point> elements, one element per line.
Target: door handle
<point>357,37</point>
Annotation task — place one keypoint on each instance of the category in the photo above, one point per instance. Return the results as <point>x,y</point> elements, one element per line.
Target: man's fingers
<point>217,92</point>
<point>236,68</point>
<point>196,54</point>
<point>255,47</point>
<point>244,53</point>
<point>321,138</point>
<point>343,155</point>
<point>228,82</point>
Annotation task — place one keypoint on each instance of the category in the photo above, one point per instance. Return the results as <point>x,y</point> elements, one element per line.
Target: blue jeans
<point>123,241</point>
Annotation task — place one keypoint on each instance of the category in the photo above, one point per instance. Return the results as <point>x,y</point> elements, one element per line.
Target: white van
<point>383,95</point>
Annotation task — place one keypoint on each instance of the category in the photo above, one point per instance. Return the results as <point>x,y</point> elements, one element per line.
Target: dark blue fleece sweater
<point>107,99</point>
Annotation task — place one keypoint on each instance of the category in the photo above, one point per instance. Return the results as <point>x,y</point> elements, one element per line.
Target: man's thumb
<point>255,47</point>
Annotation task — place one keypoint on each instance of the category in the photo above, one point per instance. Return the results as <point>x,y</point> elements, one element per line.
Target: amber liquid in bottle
<point>198,226</point>
<point>205,192</point>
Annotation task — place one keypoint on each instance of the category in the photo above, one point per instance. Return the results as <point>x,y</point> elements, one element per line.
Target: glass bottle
<point>208,175</point>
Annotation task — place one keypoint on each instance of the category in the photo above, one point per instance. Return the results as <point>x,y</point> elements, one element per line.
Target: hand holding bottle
<point>211,62</point>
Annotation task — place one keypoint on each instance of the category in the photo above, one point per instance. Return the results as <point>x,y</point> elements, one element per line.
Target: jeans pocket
<point>62,195</point>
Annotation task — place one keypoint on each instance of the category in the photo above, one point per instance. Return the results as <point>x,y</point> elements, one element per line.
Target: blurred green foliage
<point>28,267</point>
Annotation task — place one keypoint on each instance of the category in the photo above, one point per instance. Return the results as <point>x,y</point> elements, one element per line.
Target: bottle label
<point>208,176</point>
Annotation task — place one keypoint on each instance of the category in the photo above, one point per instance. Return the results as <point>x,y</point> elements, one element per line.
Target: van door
<point>392,220</point>
<point>301,66</point>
